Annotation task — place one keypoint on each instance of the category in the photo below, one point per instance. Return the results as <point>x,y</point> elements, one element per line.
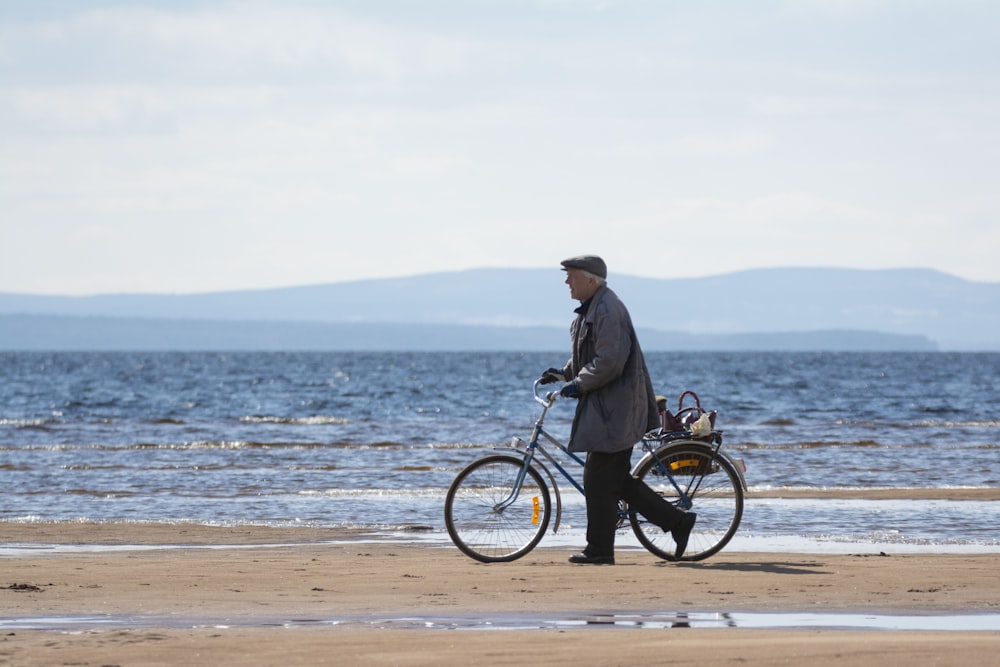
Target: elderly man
<point>616,407</point>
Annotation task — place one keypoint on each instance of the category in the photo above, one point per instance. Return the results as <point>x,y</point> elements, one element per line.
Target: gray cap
<point>589,263</point>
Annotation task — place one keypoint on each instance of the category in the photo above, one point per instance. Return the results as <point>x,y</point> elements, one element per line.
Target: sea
<point>372,440</point>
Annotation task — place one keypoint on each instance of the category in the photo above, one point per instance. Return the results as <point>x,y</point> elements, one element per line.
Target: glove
<point>570,390</point>
<point>551,375</point>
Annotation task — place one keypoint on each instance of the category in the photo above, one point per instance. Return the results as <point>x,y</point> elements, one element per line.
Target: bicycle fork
<point>528,451</point>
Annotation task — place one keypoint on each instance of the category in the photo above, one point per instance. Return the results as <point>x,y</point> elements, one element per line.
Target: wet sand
<point>258,596</point>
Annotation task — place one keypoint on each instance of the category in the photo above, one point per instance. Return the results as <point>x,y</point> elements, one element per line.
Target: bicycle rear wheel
<point>712,489</point>
<point>489,517</point>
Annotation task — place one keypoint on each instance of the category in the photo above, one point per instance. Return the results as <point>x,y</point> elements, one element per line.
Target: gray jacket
<point>617,405</point>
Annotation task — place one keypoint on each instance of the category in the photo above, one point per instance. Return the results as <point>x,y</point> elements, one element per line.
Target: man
<point>616,407</point>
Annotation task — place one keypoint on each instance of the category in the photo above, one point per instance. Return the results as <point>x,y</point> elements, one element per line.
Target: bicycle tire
<point>715,492</point>
<point>476,523</point>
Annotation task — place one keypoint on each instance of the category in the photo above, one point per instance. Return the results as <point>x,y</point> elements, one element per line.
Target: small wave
<point>208,445</point>
<point>778,422</point>
<point>44,448</point>
<point>259,444</point>
<point>919,424</point>
<point>986,423</point>
<point>375,493</point>
<point>253,444</point>
<point>99,494</point>
<point>808,444</point>
<point>315,420</point>
<point>28,423</point>
<point>467,445</point>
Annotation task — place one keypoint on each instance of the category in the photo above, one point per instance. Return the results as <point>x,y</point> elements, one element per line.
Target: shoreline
<point>41,537</point>
<point>975,493</point>
<point>341,596</point>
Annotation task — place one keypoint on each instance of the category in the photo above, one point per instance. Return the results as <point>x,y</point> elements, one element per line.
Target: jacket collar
<point>584,307</point>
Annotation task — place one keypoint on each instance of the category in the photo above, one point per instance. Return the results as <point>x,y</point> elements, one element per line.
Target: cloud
<point>86,110</point>
<point>283,143</point>
<point>236,40</point>
<point>812,107</point>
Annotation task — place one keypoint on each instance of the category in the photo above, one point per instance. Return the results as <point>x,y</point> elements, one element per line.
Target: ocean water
<point>373,440</point>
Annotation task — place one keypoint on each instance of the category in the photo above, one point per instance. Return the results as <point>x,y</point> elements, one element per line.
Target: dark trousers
<point>606,480</point>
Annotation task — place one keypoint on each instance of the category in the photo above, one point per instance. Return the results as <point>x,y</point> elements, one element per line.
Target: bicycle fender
<point>545,471</point>
<point>737,466</point>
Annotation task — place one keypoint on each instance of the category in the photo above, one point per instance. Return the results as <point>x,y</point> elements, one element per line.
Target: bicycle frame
<point>652,444</point>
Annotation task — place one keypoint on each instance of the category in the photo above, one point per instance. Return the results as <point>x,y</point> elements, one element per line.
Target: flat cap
<point>589,263</point>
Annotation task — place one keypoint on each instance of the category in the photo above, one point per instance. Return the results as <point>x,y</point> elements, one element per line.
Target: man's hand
<point>551,375</point>
<point>570,390</point>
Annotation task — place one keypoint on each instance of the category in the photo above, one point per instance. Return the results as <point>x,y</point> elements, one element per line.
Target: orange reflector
<point>684,463</point>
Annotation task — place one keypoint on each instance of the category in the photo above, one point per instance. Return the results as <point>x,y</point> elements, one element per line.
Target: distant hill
<point>61,332</point>
<point>791,308</point>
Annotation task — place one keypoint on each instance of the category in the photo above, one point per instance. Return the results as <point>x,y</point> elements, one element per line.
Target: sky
<point>198,146</point>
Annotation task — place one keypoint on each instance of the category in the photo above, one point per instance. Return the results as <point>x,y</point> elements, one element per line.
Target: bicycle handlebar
<point>548,399</point>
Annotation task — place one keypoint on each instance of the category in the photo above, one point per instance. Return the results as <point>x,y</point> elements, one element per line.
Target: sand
<point>254,596</point>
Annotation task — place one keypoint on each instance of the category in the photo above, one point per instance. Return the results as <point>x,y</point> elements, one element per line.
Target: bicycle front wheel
<point>708,485</point>
<point>493,517</point>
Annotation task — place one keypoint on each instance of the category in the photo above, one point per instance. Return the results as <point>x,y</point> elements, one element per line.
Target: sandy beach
<point>266,596</point>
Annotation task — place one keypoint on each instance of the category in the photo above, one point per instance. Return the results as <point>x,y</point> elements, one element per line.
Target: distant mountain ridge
<point>59,332</point>
<point>914,308</point>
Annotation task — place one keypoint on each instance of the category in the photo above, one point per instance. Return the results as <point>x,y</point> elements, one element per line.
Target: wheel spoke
<point>708,485</point>
<point>488,518</point>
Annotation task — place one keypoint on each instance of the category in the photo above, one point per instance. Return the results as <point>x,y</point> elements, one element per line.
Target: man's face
<point>581,286</point>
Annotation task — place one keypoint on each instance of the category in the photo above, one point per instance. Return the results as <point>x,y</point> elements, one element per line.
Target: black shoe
<point>682,531</point>
<point>584,559</point>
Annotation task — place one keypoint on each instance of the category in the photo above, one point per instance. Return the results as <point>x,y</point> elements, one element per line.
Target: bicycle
<point>499,506</point>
